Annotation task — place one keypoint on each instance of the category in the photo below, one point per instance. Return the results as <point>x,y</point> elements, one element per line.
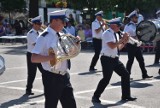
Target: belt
<point>97,38</point>
<point>59,72</point>
<point>110,56</point>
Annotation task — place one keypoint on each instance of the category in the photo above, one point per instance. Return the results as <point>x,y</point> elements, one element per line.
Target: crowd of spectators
<point>18,27</point>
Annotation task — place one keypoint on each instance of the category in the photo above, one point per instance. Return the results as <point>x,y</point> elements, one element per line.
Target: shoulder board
<point>44,34</point>
<point>108,30</point>
<point>31,31</point>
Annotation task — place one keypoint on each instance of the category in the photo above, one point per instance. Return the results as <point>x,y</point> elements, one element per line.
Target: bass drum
<point>148,30</point>
<point>2,65</point>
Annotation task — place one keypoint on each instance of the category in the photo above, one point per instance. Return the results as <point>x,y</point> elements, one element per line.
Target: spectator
<point>71,19</point>
<point>18,28</point>
<point>8,29</point>
<point>2,29</point>
<point>88,33</point>
<point>71,29</point>
<point>81,33</point>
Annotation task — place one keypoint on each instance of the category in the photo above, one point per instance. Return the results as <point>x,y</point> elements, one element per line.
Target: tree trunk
<point>33,8</point>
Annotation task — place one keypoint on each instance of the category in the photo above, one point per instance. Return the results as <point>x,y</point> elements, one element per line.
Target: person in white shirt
<point>56,79</point>
<point>98,27</point>
<point>71,29</point>
<point>133,50</point>
<point>111,44</point>
<point>32,36</point>
<point>140,16</point>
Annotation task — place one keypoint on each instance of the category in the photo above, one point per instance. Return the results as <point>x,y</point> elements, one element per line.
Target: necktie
<point>116,41</point>
<point>68,61</point>
<point>37,32</point>
<point>69,64</point>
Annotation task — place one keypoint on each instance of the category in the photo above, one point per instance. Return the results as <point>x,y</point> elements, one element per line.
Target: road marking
<point>8,82</point>
<point>113,87</point>
<point>112,102</point>
<point>20,88</point>
<point>16,67</point>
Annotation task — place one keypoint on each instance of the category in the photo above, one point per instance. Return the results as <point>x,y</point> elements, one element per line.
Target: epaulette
<point>108,30</point>
<point>44,34</point>
<point>31,31</point>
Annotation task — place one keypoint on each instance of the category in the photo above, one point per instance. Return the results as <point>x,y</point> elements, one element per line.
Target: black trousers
<point>58,87</point>
<point>157,52</point>
<point>97,44</point>
<point>134,51</point>
<point>108,66</point>
<point>32,69</point>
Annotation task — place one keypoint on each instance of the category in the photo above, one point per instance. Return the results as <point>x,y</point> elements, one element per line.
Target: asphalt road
<point>13,82</point>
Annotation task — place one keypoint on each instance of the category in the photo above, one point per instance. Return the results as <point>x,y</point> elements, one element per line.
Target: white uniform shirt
<point>140,18</point>
<point>71,30</point>
<point>108,36</point>
<point>96,25</point>
<point>130,28</point>
<point>50,40</point>
<point>31,39</point>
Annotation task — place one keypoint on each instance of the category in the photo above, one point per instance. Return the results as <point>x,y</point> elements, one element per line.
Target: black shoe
<point>92,69</point>
<point>159,71</point>
<point>95,100</point>
<point>129,98</point>
<point>29,93</point>
<point>146,76</point>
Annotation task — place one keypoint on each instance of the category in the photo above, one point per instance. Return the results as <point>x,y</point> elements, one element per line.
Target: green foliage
<point>116,5</point>
<point>13,5</point>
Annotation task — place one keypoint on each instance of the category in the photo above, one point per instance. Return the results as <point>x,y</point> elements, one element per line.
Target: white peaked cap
<point>134,13</point>
<point>36,19</point>
<point>100,13</point>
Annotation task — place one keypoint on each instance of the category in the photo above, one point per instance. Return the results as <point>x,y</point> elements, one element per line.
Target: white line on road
<point>113,87</point>
<point>112,102</point>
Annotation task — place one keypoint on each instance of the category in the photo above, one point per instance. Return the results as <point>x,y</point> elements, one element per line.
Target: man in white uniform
<point>111,44</point>
<point>133,50</point>
<point>98,27</point>
<point>32,36</point>
<point>56,79</point>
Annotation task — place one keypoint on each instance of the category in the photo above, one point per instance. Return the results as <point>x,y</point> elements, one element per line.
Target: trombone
<point>42,26</point>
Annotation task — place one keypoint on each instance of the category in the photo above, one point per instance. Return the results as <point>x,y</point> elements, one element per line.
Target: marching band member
<point>56,79</point>
<point>111,44</point>
<point>98,27</point>
<point>32,36</point>
<point>133,50</point>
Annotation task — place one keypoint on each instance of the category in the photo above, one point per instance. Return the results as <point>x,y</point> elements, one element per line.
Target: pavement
<point>13,82</point>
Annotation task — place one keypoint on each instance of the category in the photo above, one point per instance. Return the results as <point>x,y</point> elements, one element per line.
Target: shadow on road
<point>96,105</point>
<point>134,84</point>
<point>15,50</point>
<point>90,73</point>
<point>21,100</point>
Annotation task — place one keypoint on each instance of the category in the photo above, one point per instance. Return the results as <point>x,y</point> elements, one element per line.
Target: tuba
<point>2,65</point>
<point>69,47</point>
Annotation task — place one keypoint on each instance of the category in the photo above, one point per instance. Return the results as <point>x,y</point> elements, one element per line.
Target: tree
<point>13,6</point>
<point>33,8</point>
<point>127,6</point>
<point>10,6</point>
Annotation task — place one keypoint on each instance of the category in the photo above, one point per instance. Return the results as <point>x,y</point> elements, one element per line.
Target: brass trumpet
<point>42,26</point>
